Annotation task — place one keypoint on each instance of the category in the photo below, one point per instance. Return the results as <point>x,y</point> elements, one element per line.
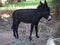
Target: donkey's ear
<point>41,3</point>
<point>45,2</point>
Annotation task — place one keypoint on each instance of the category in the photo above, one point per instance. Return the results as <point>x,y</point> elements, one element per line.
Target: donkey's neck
<point>37,15</point>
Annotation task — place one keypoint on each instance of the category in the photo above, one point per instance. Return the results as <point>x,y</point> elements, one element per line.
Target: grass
<point>20,5</point>
<point>26,4</point>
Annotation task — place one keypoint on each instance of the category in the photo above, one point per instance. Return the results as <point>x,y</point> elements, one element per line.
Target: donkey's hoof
<point>30,38</point>
<point>17,37</point>
<point>37,36</point>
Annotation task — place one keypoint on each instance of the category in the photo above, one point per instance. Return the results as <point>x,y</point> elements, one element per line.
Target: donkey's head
<point>45,10</point>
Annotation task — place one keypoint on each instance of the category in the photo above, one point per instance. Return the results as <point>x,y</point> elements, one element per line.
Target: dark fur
<point>32,16</point>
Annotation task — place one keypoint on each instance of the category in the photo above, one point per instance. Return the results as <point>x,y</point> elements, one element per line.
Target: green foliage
<point>56,7</point>
<point>20,4</point>
<point>24,4</point>
<point>56,3</point>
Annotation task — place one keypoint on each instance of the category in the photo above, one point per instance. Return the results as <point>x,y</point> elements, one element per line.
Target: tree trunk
<point>21,0</point>
<point>1,3</point>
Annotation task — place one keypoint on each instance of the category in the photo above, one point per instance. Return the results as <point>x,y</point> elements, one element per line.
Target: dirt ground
<point>6,33</point>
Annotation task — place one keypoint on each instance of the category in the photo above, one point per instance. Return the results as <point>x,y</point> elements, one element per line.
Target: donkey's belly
<point>26,21</point>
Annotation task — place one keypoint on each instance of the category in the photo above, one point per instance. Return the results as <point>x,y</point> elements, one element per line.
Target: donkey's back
<point>24,15</point>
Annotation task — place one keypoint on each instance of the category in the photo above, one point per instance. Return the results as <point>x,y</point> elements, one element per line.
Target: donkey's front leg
<point>36,29</point>
<point>32,25</point>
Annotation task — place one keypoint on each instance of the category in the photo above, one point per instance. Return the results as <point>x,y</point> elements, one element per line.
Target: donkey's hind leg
<point>15,29</point>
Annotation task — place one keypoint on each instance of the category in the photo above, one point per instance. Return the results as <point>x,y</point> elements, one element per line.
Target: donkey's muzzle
<point>49,18</point>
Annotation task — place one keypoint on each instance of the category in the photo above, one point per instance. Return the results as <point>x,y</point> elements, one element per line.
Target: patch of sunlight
<point>42,1</point>
<point>14,8</point>
<point>30,0</point>
<point>23,7</point>
<point>26,7</point>
<point>3,1</point>
<point>50,41</point>
<point>4,16</point>
<point>3,8</point>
